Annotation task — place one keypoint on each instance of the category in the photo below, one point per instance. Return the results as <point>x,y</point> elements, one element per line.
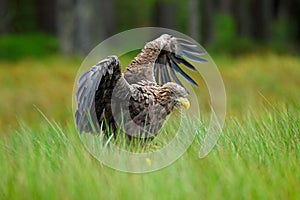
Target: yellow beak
<point>184,102</point>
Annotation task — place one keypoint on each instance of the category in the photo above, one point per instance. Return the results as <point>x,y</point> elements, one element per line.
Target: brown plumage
<point>139,100</point>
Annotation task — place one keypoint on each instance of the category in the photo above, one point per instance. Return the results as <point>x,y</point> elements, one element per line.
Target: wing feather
<point>192,57</point>
<point>185,42</point>
<point>182,61</point>
<point>181,72</point>
<point>169,60</point>
<point>94,88</point>
<point>190,49</point>
<point>172,72</point>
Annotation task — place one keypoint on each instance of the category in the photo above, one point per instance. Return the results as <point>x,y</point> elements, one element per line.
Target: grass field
<point>256,157</point>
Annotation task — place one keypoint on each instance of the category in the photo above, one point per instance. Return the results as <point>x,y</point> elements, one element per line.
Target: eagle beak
<point>183,102</point>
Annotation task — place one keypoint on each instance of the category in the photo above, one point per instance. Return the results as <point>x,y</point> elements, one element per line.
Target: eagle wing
<point>94,94</point>
<point>167,64</point>
<point>162,59</point>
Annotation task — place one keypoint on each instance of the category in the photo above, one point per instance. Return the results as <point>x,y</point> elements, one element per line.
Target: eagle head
<point>176,95</point>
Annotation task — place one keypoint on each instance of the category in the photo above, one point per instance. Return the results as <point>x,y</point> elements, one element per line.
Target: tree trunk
<point>83,24</point>
<point>208,21</point>
<point>94,22</point>
<point>46,16</point>
<point>165,14</point>
<point>65,22</point>
<point>225,6</point>
<point>87,28</point>
<point>262,16</point>
<point>194,19</point>
<point>241,13</point>
<point>107,17</point>
<point>294,16</point>
<point>4,17</point>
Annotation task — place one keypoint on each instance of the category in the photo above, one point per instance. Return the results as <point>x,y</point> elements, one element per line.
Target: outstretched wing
<point>161,61</point>
<point>178,51</point>
<point>95,88</point>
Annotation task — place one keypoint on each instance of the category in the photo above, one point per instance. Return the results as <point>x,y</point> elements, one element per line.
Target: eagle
<point>138,100</point>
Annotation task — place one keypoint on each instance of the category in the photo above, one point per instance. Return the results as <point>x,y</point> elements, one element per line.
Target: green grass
<point>48,83</point>
<point>256,157</point>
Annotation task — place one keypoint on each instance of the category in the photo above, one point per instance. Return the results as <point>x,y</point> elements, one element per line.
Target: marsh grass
<point>256,157</point>
<point>174,128</point>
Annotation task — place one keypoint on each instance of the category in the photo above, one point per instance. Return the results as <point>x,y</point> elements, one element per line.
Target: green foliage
<point>225,29</point>
<point>15,47</point>
<point>283,30</point>
<point>126,10</point>
<point>226,40</point>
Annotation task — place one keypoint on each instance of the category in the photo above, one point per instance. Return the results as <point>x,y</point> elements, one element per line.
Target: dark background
<point>76,26</point>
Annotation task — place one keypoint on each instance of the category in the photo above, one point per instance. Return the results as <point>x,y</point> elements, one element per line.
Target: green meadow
<point>256,157</point>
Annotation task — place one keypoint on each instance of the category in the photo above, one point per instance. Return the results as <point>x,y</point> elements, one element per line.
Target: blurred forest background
<point>256,47</point>
<point>255,44</point>
<point>76,26</point>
